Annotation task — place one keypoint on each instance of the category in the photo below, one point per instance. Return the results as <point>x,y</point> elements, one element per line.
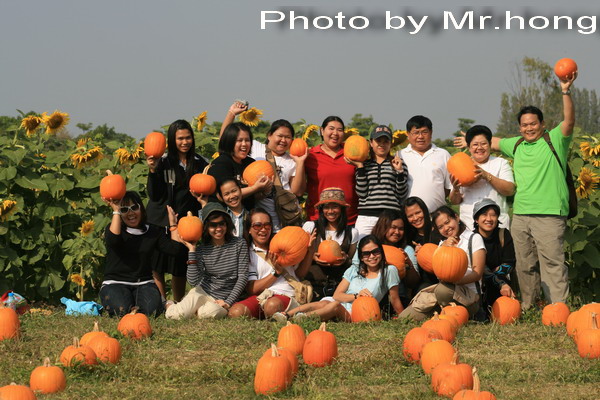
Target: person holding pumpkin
<point>467,290</point>
<point>130,247</point>
<point>331,225</point>
<point>218,269</point>
<point>371,277</point>
<point>267,285</point>
<point>168,184</point>
<point>229,192</point>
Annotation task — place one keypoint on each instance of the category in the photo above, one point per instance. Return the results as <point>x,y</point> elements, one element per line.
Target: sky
<point>138,65</point>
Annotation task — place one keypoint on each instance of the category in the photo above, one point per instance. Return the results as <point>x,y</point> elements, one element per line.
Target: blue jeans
<point>118,299</point>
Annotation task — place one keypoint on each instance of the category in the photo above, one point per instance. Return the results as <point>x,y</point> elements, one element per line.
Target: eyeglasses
<point>420,133</point>
<point>257,226</point>
<point>126,209</point>
<point>375,252</point>
<point>218,224</point>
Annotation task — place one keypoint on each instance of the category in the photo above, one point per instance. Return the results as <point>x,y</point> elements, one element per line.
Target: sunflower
<point>309,130</point>
<point>349,132</point>
<point>81,142</point>
<point>87,228</point>
<point>31,124</point>
<point>398,137</point>
<point>586,150</point>
<point>129,157</point>
<point>55,121</point>
<point>215,155</point>
<point>251,117</point>
<point>201,121</point>
<point>588,181</point>
<point>84,156</point>
<point>78,279</point>
<point>7,208</point>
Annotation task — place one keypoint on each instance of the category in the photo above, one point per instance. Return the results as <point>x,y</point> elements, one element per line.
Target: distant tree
<point>364,124</point>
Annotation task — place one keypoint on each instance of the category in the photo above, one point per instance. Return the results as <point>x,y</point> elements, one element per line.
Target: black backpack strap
<point>517,145</point>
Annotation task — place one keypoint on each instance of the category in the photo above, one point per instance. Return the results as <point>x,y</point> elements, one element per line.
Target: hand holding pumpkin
<point>222,304</point>
<point>238,107</point>
<point>112,204</point>
<point>273,261</point>
<point>505,290</point>
<point>152,163</point>
<point>202,199</point>
<point>365,293</point>
<point>357,164</point>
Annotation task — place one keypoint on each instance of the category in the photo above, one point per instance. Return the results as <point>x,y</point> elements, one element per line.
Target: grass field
<point>216,360</point>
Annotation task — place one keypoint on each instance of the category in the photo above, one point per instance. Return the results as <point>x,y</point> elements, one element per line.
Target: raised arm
<point>568,123</point>
<point>235,109</point>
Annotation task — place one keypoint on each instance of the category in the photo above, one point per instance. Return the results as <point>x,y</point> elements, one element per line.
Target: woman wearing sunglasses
<point>371,277</point>
<point>268,285</point>
<point>130,246</point>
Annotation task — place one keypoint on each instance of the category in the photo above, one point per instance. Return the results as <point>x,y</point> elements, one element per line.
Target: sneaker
<point>299,316</point>
<point>279,317</point>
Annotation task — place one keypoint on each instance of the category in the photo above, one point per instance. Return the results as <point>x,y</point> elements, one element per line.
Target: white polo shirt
<point>427,175</point>
<point>259,269</point>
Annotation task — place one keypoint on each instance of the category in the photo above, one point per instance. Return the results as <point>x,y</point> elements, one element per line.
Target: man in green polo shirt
<point>541,200</point>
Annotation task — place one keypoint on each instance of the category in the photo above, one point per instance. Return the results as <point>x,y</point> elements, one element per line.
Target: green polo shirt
<point>541,185</point>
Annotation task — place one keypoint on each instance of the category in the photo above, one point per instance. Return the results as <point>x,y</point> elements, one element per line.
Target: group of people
<point>399,200</point>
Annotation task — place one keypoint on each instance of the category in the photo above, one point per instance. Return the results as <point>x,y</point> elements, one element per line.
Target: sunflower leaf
<point>34,183</point>
<point>15,155</point>
<point>8,173</point>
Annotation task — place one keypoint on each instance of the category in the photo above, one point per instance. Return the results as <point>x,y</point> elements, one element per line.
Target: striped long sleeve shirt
<point>380,186</point>
<point>221,271</point>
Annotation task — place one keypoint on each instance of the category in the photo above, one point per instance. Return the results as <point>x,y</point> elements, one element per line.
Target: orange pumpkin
<point>474,394</point>
<point>203,184</point>
<point>462,167</point>
<point>356,148</point>
<point>330,251</point>
<point>452,319</point>
<point>10,326</point>
<point>365,309</point>
<point>414,341</point>
<point>435,353</point>
<point>593,307</point>
<point>96,332</point>
<point>273,373</point>
<point>16,392</point>
<point>506,310</point>
<point>449,379</point>
<point>564,68</point>
<point>47,378</point>
<point>397,258</point>
<point>298,147</point>
<point>290,245</point>
<point>190,228</point>
<point>588,340</point>
<point>425,256</point>
<point>107,349</point>
<point>449,263</point>
<point>579,321</point>
<point>77,354</point>
<point>254,171</point>
<point>444,327</point>
<point>291,337</point>
<point>555,314</point>
<point>320,348</point>
<point>457,311</point>
<point>287,353</point>
<point>135,325</point>
<point>112,187</point>
<point>155,144</point>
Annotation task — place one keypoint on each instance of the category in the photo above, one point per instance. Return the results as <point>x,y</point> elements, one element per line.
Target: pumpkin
<point>435,353</point>
<point>16,392</point>
<point>579,321</point>
<point>506,310</point>
<point>190,228</point>
<point>425,256</point>
<point>298,147</point>
<point>588,340</point>
<point>47,378</point>
<point>593,307</point>
<point>449,263</point>
<point>414,341</point>
<point>395,257</point>
<point>452,319</point>
<point>155,144</point>
<point>290,245</point>
<point>448,379</point>
<point>444,327</point>
<point>77,354</point>
<point>254,171</point>
<point>10,325</point>
<point>273,373</point>
<point>291,337</point>
<point>365,309</point>
<point>135,325</point>
<point>203,184</point>
<point>462,167</point>
<point>564,68</point>
<point>457,311</point>
<point>320,347</point>
<point>555,314</point>
<point>112,187</point>
<point>95,332</point>
<point>474,394</point>
<point>356,148</point>
<point>287,353</point>
<point>107,349</point>
<point>330,251</point>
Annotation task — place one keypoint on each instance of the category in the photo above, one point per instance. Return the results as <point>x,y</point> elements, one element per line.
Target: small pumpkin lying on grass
<point>10,326</point>
<point>94,333</point>
<point>47,378</point>
<point>273,373</point>
<point>292,337</point>
<point>135,325</point>
<point>77,354</point>
<point>16,392</point>
<point>320,348</point>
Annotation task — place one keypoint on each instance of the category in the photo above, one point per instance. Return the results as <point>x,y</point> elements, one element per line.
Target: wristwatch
<point>567,92</point>
<point>275,274</point>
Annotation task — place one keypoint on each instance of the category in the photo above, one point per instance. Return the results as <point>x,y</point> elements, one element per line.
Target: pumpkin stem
<point>46,362</point>
<point>452,304</point>
<point>76,342</point>
<point>96,327</point>
<point>436,316</point>
<point>108,172</point>
<point>454,358</point>
<point>323,327</point>
<point>189,214</point>
<point>288,323</point>
<point>476,381</point>
<point>274,352</point>
<point>594,322</point>
<point>135,309</point>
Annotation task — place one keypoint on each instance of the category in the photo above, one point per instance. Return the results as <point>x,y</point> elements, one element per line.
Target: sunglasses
<point>257,226</point>
<point>126,209</point>
<point>219,224</point>
<point>375,252</point>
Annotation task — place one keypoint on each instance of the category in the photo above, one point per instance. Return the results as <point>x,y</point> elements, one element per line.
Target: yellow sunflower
<point>31,124</point>
<point>215,155</point>
<point>349,132</point>
<point>129,157</point>
<point>201,121</point>
<point>84,156</point>
<point>7,208</point>
<point>78,279</point>
<point>55,121</point>
<point>398,137</point>
<point>82,142</point>
<point>585,149</point>
<point>87,227</point>
<point>588,181</point>
<point>309,131</point>
<point>251,117</point>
